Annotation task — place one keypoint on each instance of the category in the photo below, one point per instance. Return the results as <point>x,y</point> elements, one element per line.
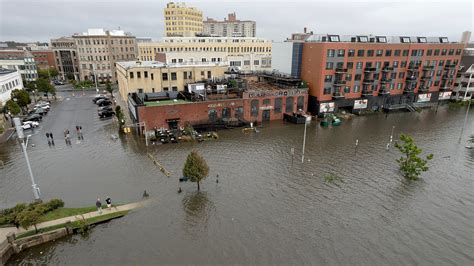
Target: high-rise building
<point>65,53</point>
<point>98,50</point>
<point>466,37</point>
<point>246,54</point>
<point>181,20</point>
<point>373,72</point>
<point>230,27</point>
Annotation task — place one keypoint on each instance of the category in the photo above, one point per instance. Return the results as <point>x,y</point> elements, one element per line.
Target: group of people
<point>49,136</point>
<point>67,136</point>
<point>98,204</point>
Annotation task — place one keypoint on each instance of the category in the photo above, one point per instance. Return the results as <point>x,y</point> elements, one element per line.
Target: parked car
<point>106,113</point>
<point>42,105</point>
<point>40,111</point>
<point>103,108</point>
<point>99,97</point>
<point>29,125</point>
<point>33,117</point>
<point>58,82</point>
<point>104,102</point>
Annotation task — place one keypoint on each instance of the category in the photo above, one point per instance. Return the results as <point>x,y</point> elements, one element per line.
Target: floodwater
<point>264,210</point>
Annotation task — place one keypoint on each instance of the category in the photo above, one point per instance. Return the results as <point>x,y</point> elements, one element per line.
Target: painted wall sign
<point>446,95</point>
<point>360,104</point>
<point>425,97</point>
<point>326,107</point>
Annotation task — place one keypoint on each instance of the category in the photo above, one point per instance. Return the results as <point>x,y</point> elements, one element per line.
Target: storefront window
<point>300,103</point>
<point>212,115</point>
<point>289,105</point>
<point>254,108</point>
<point>277,107</point>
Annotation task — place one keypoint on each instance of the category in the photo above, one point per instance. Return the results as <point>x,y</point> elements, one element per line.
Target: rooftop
<point>165,102</point>
<point>102,32</point>
<point>4,71</point>
<point>158,64</point>
<point>375,39</point>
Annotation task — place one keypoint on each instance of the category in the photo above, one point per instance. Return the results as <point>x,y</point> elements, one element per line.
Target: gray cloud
<point>30,20</point>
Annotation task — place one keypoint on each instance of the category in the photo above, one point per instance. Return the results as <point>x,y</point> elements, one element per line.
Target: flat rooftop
<point>166,102</point>
<point>376,39</point>
<point>157,64</point>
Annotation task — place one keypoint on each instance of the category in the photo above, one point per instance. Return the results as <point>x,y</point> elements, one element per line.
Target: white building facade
<point>26,66</point>
<point>9,81</point>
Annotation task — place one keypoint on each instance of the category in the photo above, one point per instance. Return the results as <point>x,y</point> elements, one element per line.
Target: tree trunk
<point>36,229</point>
<point>198,186</point>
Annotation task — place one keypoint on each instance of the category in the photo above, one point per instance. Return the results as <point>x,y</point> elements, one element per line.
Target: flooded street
<point>263,210</point>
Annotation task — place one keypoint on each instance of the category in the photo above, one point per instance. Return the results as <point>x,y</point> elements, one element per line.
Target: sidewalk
<point>127,207</point>
<point>7,134</point>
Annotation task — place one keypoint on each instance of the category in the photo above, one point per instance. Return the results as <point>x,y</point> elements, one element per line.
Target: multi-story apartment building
<point>464,86</point>
<point>230,27</point>
<point>247,54</point>
<point>9,80</point>
<point>44,58</point>
<point>24,63</point>
<point>65,53</point>
<point>98,50</point>
<point>374,72</point>
<point>151,76</point>
<point>181,20</point>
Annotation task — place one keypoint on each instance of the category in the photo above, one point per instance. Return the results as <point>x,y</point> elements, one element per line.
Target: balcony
<point>384,91</point>
<point>368,81</point>
<point>447,77</point>
<point>423,89</point>
<point>428,67</point>
<point>413,67</point>
<point>387,69</point>
<point>339,82</point>
<point>340,70</point>
<point>386,80</point>
<point>411,79</point>
<point>370,69</point>
<point>444,88</point>
<point>408,90</point>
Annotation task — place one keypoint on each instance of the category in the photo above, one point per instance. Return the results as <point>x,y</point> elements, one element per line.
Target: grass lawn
<point>65,212</point>
<point>93,220</point>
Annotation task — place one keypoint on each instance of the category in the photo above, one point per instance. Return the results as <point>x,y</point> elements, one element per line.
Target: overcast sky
<point>41,20</point>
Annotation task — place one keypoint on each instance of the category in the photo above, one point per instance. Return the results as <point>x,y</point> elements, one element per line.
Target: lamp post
<point>468,106</point>
<point>304,140</point>
<point>24,144</point>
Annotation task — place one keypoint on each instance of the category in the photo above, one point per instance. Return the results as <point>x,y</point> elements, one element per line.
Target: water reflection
<point>198,208</point>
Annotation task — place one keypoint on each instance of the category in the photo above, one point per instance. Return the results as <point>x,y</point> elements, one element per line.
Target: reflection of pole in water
<point>389,144</point>
<point>356,145</point>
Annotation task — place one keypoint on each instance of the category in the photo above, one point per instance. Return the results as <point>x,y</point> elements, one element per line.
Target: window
<point>174,88</point>
<point>397,52</point>
<point>399,86</point>
<point>403,64</point>
<point>377,65</point>
<point>164,76</point>
<point>376,76</point>
<point>239,112</point>
<point>370,53</point>
<point>246,62</point>
<point>363,38</point>
<point>328,78</point>
<point>359,65</point>
<point>277,107</point>
<point>441,63</point>
<point>226,113</point>
<point>165,88</point>
<point>212,114</point>
<point>333,38</point>
<point>131,75</point>
<point>330,53</point>
<point>139,74</point>
<point>451,52</point>
<point>388,52</point>
<point>347,89</point>
<point>145,74</point>
<point>348,77</point>
<point>392,86</point>
<point>327,91</point>
<point>329,65</point>
<point>358,77</point>
<point>209,74</point>
<point>300,103</point>
<point>405,39</point>
<point>413,52</point>
<point>151,75</point>
<point>254,108</point>
<point>401,75</point>
<point>458,51</point>
<point>393,75</point>
<point>341,53</point>
<point>289,105</point>
<point>436,52</point>
<point>350,52</point>
<point>395,64</point>
<point>202,73</point>
<point>405,52</point>
<point>360,53</point>
<point>421,52</point>
<point>429,52</point>
<point>173,76</point>
<point>379,53</point>
<point>350,65</point>
<point>256,62</point>
<point>444,51</point>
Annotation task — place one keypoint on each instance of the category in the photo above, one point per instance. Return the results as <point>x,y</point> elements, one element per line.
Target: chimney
<point>304,30</point>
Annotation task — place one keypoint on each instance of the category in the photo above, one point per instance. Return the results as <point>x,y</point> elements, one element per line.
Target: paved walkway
<point>5,231</point>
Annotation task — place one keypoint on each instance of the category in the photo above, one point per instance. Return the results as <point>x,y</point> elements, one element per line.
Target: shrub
<point>55,204</point>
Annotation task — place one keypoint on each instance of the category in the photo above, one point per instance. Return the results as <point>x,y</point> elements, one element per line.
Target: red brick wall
<point>44,59</point>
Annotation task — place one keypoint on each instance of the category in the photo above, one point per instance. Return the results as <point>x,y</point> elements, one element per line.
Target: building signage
<point>425,97</point>
<point>131,107</point>
<point>446,95</point>
<point>326,107</point>
<point>265,93</point>
<point>360,104</point>
<point>268,107</point>
<point>214,105</point>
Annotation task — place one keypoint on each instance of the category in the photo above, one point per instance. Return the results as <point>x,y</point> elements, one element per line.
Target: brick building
<point>255,98</point>
<point>374,72</point>
<point>44,59</point>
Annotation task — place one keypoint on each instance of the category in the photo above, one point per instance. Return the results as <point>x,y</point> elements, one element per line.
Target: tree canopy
<point>411,165</point>
<point>23,98</point>
<point>13,107</point>
<point>44,73</point>
<point>45,86</point>
<point>195,168</point>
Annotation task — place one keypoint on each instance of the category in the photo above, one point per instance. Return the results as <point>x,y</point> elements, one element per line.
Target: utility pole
<point>304,141</point>
<point>468,106</point>
<point>24,143</point>
<point>95,78</point>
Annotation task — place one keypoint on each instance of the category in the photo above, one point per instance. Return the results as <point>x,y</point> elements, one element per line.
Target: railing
<point>337,95</point>
<point>428,67</point>
<point>423,88</point>
<point>426,77</point>
<point>368,81</point>
<point>339,82</point>
<point>341,70</point>
<point>413,67</point>
<point>387,69</point>
<point>450,66</point>
<point>367,92</point>
<point>386,80</point>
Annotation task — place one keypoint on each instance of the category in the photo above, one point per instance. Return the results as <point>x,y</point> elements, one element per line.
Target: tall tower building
<point>182,21</point>
<point>466,37</point>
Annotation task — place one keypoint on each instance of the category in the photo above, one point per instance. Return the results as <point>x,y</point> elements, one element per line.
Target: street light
<point>24,144</point>
<point>304,140</point>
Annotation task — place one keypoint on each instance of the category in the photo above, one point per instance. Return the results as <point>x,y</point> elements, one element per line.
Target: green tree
<point>84,84</point>
<point>28,218</point>
<point>411,165</point>
<point>70,76</point>
<point>13,107</point>
<point>120,117</point>
<point>48,74</point>
<point>44,85</point>
<point>108,87</point>
<point>195,168</point>
<point>22,98</point>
